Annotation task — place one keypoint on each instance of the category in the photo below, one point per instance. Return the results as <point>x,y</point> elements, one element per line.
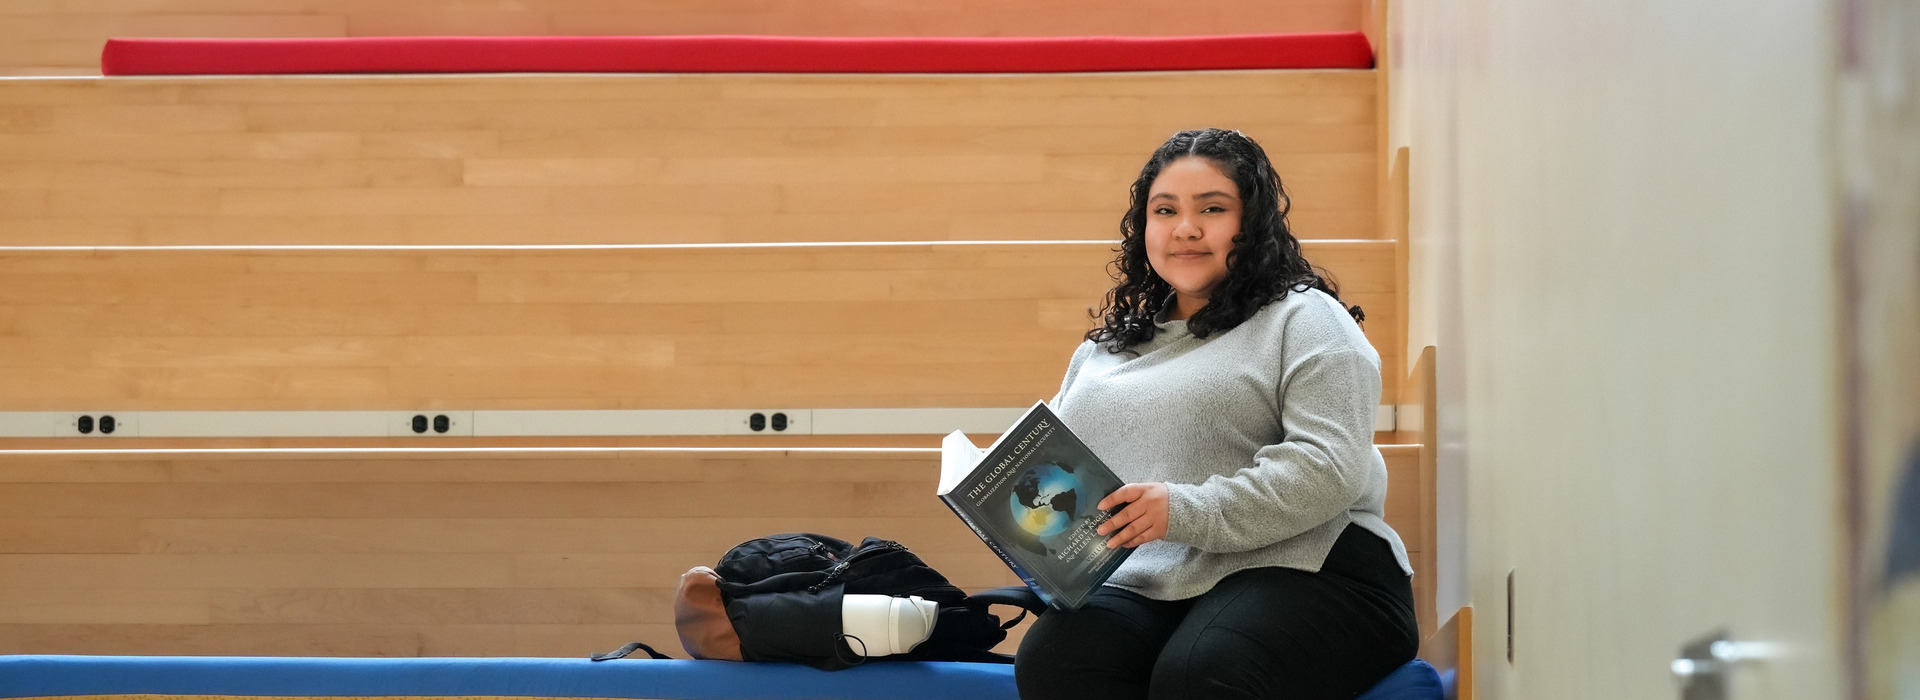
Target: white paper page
<point>958,457</point>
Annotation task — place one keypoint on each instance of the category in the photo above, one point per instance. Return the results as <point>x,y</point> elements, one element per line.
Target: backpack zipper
<point>840,569</point>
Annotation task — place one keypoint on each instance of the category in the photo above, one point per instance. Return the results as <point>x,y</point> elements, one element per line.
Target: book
<point>1033,497</point>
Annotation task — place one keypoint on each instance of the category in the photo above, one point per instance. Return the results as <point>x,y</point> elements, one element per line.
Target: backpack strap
<point>622,652</point>
<point>1017,596</point>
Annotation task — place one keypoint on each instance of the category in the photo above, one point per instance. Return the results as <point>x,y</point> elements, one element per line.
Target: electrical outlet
<point>99,424</point>
<point>771,421</point>
<point>430,423</point>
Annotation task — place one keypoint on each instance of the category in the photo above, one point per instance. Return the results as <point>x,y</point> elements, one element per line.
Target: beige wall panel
<point>682,158</point>
<point>64,37</point>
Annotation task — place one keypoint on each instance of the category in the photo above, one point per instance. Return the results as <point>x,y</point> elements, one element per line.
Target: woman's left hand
<point>1143,520</point>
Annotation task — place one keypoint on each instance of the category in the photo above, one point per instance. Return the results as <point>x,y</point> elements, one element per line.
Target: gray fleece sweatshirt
<point>1263,433</point>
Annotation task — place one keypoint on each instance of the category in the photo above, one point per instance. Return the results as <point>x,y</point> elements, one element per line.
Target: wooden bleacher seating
<point>986,325</point>
<point>538,555</point>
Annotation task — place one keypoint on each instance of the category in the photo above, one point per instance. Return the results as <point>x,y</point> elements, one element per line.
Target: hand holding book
<point>1143,520</point>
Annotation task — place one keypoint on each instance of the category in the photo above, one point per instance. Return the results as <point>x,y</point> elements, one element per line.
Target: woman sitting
<point>1235,393</point>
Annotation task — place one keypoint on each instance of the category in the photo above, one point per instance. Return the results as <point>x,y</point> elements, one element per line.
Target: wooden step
<point>986,325</point>
<point>648,158</point>
<point>398,556</point>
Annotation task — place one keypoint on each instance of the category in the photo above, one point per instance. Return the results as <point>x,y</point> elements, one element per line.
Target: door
<point>1634,204</point>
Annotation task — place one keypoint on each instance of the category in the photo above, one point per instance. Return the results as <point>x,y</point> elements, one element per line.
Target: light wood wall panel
<point>810,326</point>
<point>403,556</point>
<point>64,37</point>
<point>680,158</point>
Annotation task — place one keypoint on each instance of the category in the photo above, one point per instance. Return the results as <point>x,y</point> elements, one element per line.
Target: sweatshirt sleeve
<point>1318,470</point>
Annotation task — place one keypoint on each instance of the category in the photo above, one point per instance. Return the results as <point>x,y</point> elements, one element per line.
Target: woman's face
<point>1193,213</point>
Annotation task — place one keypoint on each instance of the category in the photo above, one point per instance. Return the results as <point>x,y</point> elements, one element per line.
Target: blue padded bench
<point>243,677</point>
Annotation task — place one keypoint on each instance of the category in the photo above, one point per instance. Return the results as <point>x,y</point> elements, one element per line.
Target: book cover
<point>1033,497</point>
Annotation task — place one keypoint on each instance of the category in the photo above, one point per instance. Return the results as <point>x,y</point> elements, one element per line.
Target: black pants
<point>1260,633</point>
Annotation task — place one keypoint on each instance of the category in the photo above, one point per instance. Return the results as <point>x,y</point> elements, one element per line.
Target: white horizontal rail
<point>107,423</point>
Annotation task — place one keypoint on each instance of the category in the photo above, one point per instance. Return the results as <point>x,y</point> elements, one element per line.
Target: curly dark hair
<point>1264,266</point>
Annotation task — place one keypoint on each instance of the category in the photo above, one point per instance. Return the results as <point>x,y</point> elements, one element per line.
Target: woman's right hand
<point>1143,520</point>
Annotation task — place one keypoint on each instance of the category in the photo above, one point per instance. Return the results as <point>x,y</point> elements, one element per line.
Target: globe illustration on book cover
<point>1045,499</point>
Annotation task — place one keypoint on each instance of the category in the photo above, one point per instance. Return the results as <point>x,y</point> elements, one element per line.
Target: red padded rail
<point>731,54</point>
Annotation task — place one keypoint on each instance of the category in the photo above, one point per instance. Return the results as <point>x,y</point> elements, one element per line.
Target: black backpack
<point>783,595</point>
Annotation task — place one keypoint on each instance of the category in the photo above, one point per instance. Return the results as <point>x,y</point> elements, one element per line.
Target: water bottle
<point>882,625</point>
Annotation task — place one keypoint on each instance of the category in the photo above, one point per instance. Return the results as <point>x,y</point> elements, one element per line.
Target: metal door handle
<point>1703,664</point>
<point>1722,654</point>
